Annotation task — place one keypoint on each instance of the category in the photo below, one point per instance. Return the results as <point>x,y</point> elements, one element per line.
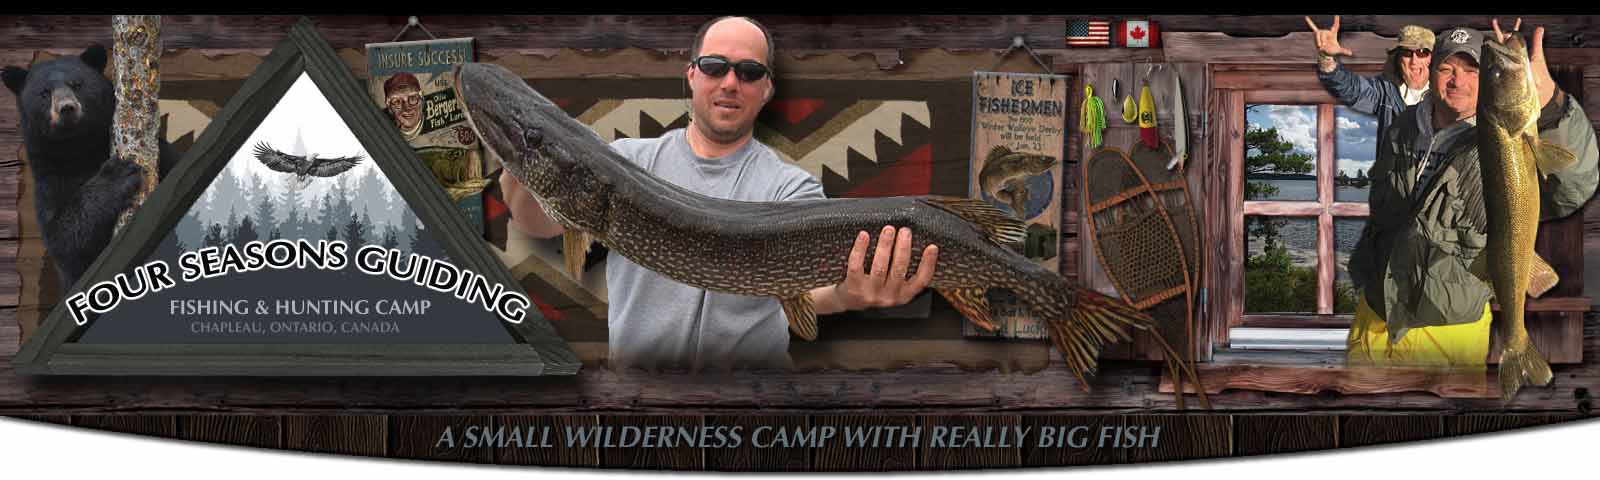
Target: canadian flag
<point>1138,34</point>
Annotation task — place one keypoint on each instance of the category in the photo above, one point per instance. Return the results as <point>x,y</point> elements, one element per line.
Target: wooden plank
<point>9,330</point>
<point>1473,424</point>
<point>893,452</point>
<point>1282,97</point>
<point>1359,430</point>
<point>1232,276</point>
<point>760,449</point>
<point>1346,381</point>
<point>142,424</point>
<point>1296,321</point>
<point>345,434</point>
<point>1296,47</point>
<point>248,430</point>
<point>1060,56</point>
<point>1558,335</point>
<point>953,450</point>
<point>564,455</point>
<point>1176,437</point>
<point>56,419</point>
<point>1553,304</point>
<point>1268,434</point>
<point>1074,441</point>
<point>1008,356</point>
<point>421,437</point>
<point>669,32</point>
<point>1325,174</point>
<point>675,457</point>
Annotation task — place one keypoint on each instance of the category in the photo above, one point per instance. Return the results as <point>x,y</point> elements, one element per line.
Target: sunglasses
<point>1420,53</point>
<point>717,66</point>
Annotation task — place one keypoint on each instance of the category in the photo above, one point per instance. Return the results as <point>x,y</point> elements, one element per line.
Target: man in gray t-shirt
<point>656,322</point>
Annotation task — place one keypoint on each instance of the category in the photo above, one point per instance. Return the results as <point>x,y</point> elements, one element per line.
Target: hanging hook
<point>412,22</point>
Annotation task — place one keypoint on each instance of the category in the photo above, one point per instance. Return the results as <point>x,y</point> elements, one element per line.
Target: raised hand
<point>1542,80</point>
<point>1328,40</point>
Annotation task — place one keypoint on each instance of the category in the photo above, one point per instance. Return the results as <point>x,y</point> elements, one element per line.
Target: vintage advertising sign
<point>1018,137</point>
<point>411,81</point>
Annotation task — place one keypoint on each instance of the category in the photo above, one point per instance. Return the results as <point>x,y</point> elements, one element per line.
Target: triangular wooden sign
<point>300,236</point>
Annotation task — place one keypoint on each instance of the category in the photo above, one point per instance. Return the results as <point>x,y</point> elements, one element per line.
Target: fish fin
<point>1541,277</point>
<point>1522,364</point>
<point>1092,321</point>
<point>1000,228</point>
<point>972,304</point>
<point>997,152</point>
<point>1551,157</point>
<point>574,249</point>
<point>802,314</point>
<point>1019,200</point>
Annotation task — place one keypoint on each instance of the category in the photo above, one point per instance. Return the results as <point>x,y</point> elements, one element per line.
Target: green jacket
<point>1412,260</point>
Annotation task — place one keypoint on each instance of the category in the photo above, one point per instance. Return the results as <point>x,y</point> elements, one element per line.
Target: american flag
<point>1088,33</point>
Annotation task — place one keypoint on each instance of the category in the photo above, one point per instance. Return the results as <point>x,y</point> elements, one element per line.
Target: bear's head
<point>65,99</point>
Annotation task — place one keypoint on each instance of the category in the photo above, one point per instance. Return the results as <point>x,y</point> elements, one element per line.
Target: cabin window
<point>1304,174</point>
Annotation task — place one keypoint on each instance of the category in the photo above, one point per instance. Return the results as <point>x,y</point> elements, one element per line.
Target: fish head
<point>1036,163</point>
<point>539,144</point>
<point>1507,97</point>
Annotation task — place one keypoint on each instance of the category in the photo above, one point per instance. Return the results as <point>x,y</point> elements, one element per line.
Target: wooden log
<point>952,451</point>
<point>758,450</point>
<point>345,434</point>
<point>676,457</point>
<point>894,452</point>
<point>136,60</point>
<point>563,455</point>
<point>56,419</point>
<point>1268,434</point>
<point>248,430</point>
<point>421,437</point>
<point>1359,430</point>
<point>1297,47</point>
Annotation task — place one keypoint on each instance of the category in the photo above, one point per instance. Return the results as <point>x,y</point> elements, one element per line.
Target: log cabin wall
<point>910,49</point>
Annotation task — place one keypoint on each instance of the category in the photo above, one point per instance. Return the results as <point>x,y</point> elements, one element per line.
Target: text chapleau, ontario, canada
<point>213,262</point>
<point>736,436</point>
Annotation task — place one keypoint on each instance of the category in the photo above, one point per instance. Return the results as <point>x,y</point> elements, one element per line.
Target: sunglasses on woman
<point>1422,53</point>
<point>716,66</point>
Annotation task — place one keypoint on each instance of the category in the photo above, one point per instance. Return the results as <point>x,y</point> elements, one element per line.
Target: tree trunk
<point>137,55</point>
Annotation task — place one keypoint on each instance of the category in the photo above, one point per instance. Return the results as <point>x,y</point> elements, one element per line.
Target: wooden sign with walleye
<point>774,249</point>
<point>1142,220</point>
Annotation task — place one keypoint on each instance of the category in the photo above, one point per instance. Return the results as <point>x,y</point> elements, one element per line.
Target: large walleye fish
<point>775,249</point>
<point>1510,155</point>
<point>1005,175</point>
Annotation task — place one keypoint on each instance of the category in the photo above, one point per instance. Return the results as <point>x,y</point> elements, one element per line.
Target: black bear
<point>66,107</point>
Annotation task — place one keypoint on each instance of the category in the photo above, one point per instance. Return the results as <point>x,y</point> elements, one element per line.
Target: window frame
<point>1324,209</point>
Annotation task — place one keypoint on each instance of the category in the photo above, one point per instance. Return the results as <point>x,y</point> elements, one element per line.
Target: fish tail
<point>1522,364</point>
<point>1093,320</point>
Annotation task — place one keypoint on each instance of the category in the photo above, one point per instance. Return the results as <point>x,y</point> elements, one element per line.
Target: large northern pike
<point>774,249</point>
<point>1510,155</point>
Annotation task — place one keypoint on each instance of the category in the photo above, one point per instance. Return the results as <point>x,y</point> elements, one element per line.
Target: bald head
<point>740,31</point>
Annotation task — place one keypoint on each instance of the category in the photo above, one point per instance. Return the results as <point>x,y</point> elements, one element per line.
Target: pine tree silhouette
<point>352,232</point>
<point>333,233</point>
<point>214,236</point>
<point>246,232</point>
<point>391,237</point>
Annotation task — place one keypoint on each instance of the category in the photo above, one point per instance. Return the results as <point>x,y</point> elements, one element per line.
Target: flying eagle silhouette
<point>301,167</point>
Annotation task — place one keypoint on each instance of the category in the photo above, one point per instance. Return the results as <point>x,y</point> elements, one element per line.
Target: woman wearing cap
<point>1403,83</point>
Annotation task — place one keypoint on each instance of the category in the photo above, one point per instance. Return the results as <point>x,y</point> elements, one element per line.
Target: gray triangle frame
<point>538,349</point>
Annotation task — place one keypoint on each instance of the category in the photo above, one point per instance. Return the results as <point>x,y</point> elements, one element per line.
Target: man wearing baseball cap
<point>1403,83</point>
<point>1419,302</point>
